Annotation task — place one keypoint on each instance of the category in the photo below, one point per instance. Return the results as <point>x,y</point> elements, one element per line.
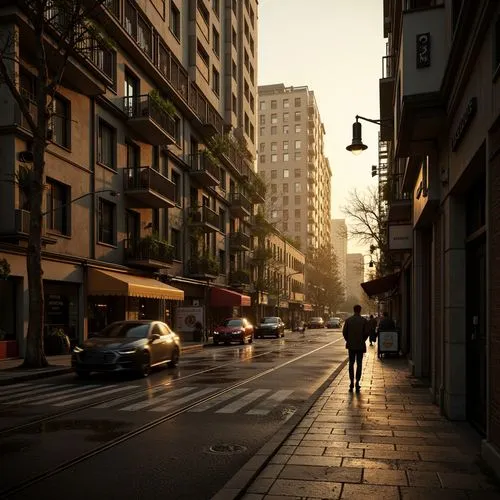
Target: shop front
<point>115,296</point>
<point>226,303</point>
<point>9,328</point>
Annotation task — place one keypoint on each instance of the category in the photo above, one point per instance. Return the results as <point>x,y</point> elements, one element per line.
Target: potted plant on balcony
<point>56,342</point>
<point>165,105</point>
<point>149,246</point>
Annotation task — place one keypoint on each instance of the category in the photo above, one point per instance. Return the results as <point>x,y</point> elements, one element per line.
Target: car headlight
<point>77,349</point>
<point>216,333</point>
<point>127,351</point>
<point>238,332</point>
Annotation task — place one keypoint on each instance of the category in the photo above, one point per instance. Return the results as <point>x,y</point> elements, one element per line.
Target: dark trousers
<point>355,356</point>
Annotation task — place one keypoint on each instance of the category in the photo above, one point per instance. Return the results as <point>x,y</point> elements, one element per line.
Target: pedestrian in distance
<point>386,324</point>
<point>372,329</point>
<point>355,332</point>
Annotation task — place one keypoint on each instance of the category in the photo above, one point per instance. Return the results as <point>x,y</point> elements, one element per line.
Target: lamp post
<point>357,147</point>
<point>112,192</point>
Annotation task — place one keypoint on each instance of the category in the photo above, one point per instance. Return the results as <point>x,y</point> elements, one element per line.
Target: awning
<point>382,285</point>
<point>222,297</point>
<point>113,283</point>
<point>308,307</point>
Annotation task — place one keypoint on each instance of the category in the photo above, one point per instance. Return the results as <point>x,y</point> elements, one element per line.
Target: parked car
<point>127,346</point>
<point>334,323</point>
<point>234,330</point>
<point>270,325</point>
<point>316,322</point>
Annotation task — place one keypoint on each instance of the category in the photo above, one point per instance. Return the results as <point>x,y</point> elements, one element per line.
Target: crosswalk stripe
<point>44,393</point>
<point>57,396</point>
<point>15,388</point>
<point>244,401</point>
<point>131,397</point>
<point>38,390</point>
<point>218,400</point>
<point>92,396</point>
<point>271,402</point>
<point>185,399</point>
<point>159,399</point>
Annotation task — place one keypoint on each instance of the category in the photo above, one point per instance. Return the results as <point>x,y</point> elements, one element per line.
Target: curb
<point>236,487</point>
<point>32,376</point>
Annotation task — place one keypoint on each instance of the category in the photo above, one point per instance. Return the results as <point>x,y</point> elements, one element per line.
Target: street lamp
<point>112,192</point>
<point>357,147</point>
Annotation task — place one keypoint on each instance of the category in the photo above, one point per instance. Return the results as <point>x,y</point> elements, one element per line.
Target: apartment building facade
<point>355,272</point>
<point>440,91</point>
<point>292,162</point>
<point>339,245</point>
<point>143,214</point>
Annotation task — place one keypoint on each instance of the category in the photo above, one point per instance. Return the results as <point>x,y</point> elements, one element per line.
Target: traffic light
<point>374,170</point>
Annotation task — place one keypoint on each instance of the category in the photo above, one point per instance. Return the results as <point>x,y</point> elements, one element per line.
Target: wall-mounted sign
<point>400,237</point>
<point>423,50</point>
<point>464,123</point>
<point>186,317</point>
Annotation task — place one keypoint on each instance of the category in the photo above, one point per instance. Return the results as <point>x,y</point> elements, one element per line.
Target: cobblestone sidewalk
<point>387,442</point>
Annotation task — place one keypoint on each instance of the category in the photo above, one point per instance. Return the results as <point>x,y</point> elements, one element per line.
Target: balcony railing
<point>149,187</point>
<point>147,117</point>
<point>204,168</point>
<point>204,216</point>
<point>203,266</point>
<point>239,277</point>
<point>148,252</point>
<point>240,204</point>
<point>239,240</point>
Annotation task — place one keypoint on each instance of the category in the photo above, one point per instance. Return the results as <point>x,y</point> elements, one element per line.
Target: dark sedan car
<point>316,322</point>
<point>334,322</point>
<point>234,330</point>
<point>127,345</point>
<point>270,325</point>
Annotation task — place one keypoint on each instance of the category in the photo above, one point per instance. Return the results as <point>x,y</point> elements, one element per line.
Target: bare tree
<point>61,29</point>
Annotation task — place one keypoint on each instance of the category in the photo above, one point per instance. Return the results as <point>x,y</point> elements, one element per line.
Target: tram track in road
<point>6,493</point>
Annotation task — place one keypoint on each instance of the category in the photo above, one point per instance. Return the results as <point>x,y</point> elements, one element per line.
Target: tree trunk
<point>34,356</point>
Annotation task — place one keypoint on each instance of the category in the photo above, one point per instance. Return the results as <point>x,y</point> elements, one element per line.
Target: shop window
<point>61,122</point>
<point>9,308</point>
<point>175,241</point>
<point>107,222</point>
<point>57,207</point>
<point>106,145</point>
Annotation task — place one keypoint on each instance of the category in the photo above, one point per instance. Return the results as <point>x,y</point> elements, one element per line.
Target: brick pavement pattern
<point>388,442</point>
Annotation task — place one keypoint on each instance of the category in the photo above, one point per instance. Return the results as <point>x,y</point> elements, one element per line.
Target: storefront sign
<point>388,341</point>
<point>464,123</point>
<point>400,237</point>
<point>423,50</point>
<point>56,309</point>
<point>186,318</point>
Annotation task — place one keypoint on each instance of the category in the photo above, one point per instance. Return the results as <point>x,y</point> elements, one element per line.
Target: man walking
<point>372,329</point>
<point>386,324</point>
<point>355,332</point>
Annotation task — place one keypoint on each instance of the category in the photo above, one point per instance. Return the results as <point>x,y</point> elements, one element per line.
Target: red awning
<point>308,307</point>
<point>222,297</point>
<point>382,285</point>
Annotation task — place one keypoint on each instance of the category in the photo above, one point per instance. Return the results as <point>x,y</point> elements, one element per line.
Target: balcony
<point>147,188</point>
<point>419,111</point>
<point>239,241</point>
<point>311,165</point>
<point>240,205</point>
<point>204,218</point>
<point>386,93</point>
<point>148,252</point>
<point>203,267</point>
<point>204,169</point>
<point>21,230</point>
<point>311,178</point>
<point>148,120</point>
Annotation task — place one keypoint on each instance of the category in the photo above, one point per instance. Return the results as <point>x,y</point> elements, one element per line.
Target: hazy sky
<point>335,48</point>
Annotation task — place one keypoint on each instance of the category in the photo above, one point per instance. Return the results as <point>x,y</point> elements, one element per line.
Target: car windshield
<point>269,320</point>
<point>126,330</point>
<point>232,322</point>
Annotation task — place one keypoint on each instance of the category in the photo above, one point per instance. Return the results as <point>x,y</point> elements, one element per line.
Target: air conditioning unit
<point>25,156</point>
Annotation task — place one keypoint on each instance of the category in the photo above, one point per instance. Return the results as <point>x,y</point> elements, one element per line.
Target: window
<point>297,116</point>
<point>285,226</point>
<point>262,131</point>
<point>285,129</point>
<point>298,155</point>
<point>297,226</point>
<point>175,21</point>
<point>285,117</point>
<point>297,187</point>
<point>107,222</point>
<point>222,220</point>
<point>61,122</point>
<point>274,214</point>
<point>285,188</point>
<point>286,103</point>
<point>175,241</point>
<point>106,145</point>
<point>274,146</point>
<point>274,130</point>
<point>274,199</point>
<point>274,118</point>
<point>262,119</point>
<point>175,177</point>
<point>216,6</point>
<point>215,41</point>
<point>274,188</point>
<point>297,213</point>
<point>222,261</point>
<point>262,105</point>
<point>297,102</point>
<point>297,172</point>
<point>204,12</point>
<point>297,144</point>
<point>286,173</point>
<point>202,53</point>
<point>274,104</point>
<point>274,158</point>
<point>285,145</point>
<point>262,147</point>
<point>235,104</point>
<point>235,71</point>
<point>215,81</point>
<point>262,159</point>
<point>298,128</point>
<point>57,207</point>
<point>297,199</point>
<point>285,200</point>
<point>285,214</point>
<point>274,174</point>
<point>285,157</point>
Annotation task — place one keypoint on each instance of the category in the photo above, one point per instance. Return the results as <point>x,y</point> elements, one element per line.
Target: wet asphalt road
<point>182,433</point>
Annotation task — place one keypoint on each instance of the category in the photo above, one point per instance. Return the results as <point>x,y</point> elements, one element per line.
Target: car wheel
<point>175,358</point>
<point>145,366</point>
<point>84,374</point>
